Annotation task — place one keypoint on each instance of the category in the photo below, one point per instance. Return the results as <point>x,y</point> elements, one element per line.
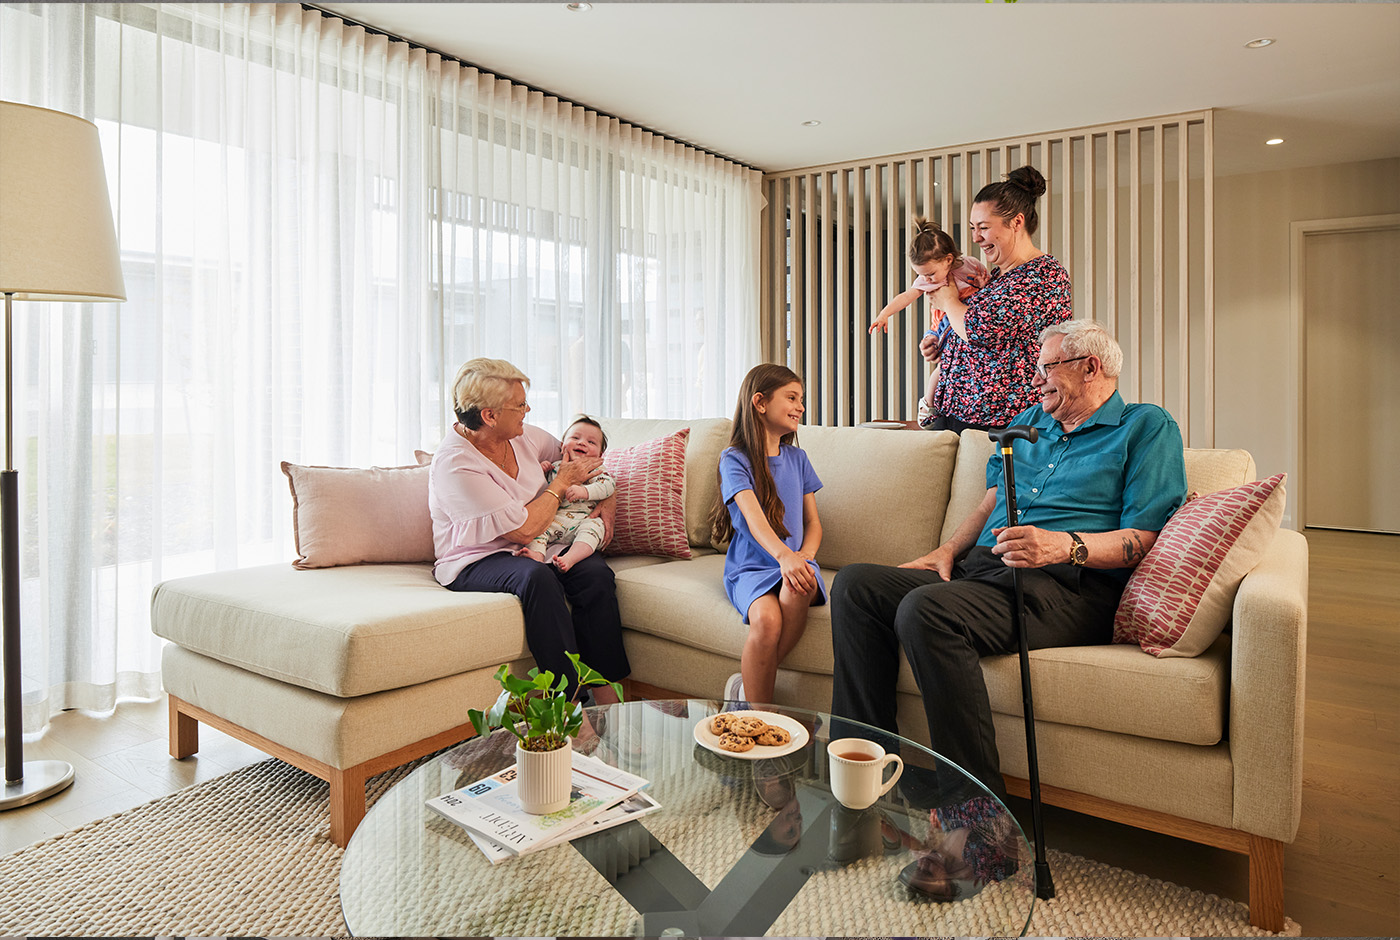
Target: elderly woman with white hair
<point>488,500</point>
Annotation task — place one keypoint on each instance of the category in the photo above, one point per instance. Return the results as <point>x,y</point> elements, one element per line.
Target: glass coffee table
<point>741,846</point>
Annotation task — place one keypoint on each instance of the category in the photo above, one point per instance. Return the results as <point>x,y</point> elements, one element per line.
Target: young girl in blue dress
<point>768,513</point>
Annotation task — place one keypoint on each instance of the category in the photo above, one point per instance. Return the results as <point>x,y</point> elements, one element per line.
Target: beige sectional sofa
<point>349,671</point>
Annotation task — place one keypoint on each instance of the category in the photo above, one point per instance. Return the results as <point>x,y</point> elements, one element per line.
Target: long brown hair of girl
<point>748,437</point>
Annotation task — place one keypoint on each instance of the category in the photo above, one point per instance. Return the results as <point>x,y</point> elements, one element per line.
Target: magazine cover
<point>634,807</point>
<point>489,806</point>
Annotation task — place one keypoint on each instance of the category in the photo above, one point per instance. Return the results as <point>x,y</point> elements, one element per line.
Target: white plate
<point>710,741</point>
<point>886,425</point>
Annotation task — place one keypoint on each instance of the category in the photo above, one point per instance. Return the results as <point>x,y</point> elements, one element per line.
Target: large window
<point>317,227</point>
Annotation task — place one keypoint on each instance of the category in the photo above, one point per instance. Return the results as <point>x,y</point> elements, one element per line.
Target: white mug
<point>858,770</point>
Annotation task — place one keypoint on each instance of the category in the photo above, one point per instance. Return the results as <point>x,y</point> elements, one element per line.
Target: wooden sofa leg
<point>1265,883</point>
<point>347,803</point>
<point>184,731</point>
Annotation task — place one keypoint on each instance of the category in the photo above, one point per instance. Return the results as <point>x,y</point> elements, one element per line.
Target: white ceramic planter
<point>544,778</point>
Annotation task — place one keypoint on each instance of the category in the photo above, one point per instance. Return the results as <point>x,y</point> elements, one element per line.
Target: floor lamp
<point>57,242</point>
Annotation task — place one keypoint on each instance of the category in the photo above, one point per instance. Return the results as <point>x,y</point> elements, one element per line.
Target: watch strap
<point>1078,552</point>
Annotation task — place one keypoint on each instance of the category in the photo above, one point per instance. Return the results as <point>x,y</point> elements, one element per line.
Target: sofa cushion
<point>348,516</point>
<point>708,436</point>
<point>1119,689</point>
<point>650,497</point>
<point>685,601</point>
<point>1179,597</point>
<point>883,492</point>
<point>969,484</point>
<point>1211,469</point>
<point>344,631</point>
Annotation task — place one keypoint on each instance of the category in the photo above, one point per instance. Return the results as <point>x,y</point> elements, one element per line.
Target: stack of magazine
<point>488,809</point>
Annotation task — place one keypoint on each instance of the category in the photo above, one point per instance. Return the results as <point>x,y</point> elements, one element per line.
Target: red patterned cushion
<point>1179,597</point>
<point>650,497</point>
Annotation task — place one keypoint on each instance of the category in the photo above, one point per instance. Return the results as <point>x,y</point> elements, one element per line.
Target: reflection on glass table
<point>740,846</point>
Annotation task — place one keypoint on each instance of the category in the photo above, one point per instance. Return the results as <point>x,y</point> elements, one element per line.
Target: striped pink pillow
<point>1178,599</point>
<point>650,497</point>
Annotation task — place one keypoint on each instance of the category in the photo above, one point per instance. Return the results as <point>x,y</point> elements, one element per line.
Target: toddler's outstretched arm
<point>881,322</point>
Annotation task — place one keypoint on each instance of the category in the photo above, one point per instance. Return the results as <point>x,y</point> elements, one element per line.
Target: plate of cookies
<point>750,734</point>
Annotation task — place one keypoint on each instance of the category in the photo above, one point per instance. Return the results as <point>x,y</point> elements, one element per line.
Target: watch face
<point>1079,553</point>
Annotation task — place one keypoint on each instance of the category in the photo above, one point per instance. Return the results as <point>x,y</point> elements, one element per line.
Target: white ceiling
<point>739,79</point>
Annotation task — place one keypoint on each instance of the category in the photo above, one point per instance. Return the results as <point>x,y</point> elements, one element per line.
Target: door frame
<point>1299,233</point>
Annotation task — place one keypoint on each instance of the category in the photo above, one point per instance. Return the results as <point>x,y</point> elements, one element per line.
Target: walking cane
<point>1044,886</point>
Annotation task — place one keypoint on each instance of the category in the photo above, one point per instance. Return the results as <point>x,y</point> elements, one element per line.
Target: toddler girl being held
<point>936,259</point>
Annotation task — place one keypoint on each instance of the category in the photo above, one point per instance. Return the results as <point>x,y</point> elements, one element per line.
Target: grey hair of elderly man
<point>1087,338</point>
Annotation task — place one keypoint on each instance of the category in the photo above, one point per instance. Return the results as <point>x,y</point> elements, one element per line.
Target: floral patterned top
<point>991,843</point>
<point>986,378</point>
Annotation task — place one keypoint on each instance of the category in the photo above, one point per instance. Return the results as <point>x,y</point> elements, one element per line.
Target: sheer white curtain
<point>318,226</point>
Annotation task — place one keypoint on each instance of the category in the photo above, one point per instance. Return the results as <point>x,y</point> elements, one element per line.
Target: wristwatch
<point>1078,552</point>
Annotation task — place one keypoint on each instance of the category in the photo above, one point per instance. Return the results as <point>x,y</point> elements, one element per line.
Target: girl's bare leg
<point>758,663</point>
<point>794,607</point>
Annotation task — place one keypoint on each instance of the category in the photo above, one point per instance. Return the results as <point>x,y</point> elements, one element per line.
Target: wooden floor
<point>1342,875</point>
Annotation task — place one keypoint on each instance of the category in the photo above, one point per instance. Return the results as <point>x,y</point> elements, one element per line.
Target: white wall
<point>1256,350</point>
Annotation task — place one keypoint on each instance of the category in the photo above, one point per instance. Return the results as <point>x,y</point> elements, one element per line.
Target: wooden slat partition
<point>834,254</point>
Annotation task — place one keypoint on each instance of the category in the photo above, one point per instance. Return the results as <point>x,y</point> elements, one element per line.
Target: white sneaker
<point>734,691</point>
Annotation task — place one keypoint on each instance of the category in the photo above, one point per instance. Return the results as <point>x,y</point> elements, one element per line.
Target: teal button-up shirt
<point>1123,468</point>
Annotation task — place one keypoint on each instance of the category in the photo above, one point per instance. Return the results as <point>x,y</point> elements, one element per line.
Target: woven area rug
<point>249,853</point>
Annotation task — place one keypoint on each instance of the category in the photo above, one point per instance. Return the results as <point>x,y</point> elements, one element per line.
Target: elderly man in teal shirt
<point>1092,493</point>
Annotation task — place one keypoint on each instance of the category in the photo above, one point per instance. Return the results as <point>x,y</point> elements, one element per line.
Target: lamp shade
<point>57,240</point>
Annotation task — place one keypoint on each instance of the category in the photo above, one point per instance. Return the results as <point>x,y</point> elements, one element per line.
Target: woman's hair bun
<point>1029,179</point>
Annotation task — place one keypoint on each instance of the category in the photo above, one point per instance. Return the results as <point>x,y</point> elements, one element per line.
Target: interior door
<point>1351,322</point>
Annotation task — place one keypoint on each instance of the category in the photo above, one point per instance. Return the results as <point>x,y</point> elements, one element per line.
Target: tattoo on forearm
<point>1132,550</point>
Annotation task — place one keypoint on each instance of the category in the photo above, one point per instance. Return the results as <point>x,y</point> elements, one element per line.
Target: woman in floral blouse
<point>988,361</point>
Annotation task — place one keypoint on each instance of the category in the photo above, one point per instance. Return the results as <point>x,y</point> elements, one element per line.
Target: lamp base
<point>42,779</point>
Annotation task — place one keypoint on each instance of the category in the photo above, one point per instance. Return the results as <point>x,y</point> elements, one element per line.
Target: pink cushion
<point>345,516</point>
<point>650,497</point>
<point>1179,598</point>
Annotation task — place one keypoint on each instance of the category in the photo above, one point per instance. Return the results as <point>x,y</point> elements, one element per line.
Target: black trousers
<point>945,628</point>
<point>592,629</point>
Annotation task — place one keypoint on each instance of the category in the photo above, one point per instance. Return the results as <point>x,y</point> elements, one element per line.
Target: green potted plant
<point>544,718</point>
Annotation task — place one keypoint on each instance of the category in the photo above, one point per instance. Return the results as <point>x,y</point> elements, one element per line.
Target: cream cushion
<point>343,631</point>
<point>898,477</point>
<point>1120,689</point>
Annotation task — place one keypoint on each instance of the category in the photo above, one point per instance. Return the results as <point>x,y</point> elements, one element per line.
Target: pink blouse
<point>473,502</point>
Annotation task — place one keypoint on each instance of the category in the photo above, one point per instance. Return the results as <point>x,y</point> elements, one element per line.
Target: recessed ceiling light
<point>1260,43</point>
<point>1274,141</point>
<point>811,123</point>
<point>585,7</point>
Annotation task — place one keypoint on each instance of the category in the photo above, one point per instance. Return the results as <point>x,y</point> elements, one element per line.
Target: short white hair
<point>1087,338</point>
<point>483,383</point>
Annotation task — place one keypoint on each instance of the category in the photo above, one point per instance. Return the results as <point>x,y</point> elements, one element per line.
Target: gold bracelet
<point>559,498</point>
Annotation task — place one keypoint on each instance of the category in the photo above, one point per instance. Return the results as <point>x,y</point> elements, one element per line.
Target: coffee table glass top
<point>740,847</point>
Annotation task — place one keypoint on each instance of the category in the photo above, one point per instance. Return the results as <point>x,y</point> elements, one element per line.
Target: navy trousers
<point>592,628</point>
<point>945,628</point>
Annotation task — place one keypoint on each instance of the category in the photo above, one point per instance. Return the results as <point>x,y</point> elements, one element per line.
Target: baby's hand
<point>576,493</point>
<point>880,323</point>
<point>546,466</point>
